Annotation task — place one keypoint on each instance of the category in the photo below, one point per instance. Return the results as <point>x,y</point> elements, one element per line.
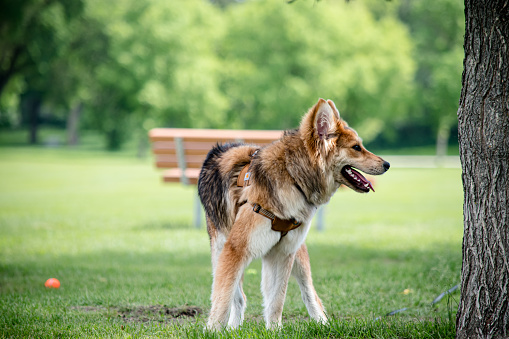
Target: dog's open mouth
<point>356,179</point>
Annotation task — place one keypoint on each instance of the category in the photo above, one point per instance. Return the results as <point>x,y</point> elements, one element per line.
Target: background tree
<point>70,81</point>
<point>279,58</point>
<point>437,31</point>
<point>162,68</point>
<point>484,149</point>
<point>120,68</point>
<point>29,44</point>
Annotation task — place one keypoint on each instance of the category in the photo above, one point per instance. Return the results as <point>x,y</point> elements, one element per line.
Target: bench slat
<point>163,134</point>
<point>175,175</point>
<point>190,147</point>
<point>171,160</point>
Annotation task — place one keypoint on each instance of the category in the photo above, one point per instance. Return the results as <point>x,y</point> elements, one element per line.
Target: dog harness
<point>278,225</point>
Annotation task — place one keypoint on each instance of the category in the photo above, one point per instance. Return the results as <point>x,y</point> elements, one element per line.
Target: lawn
<point>131,265</point>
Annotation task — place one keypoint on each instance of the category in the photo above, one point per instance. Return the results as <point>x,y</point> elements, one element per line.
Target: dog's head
<point>337,148</point>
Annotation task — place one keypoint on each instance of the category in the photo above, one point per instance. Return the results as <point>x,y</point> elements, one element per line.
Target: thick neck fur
<point>283,165</point>
<point>307,171</point>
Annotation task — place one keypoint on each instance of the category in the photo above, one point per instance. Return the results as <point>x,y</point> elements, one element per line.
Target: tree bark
<point>483,118</point>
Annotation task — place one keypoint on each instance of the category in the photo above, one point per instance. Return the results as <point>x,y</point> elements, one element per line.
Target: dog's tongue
<point>370,186</point>
<point>358,179</point>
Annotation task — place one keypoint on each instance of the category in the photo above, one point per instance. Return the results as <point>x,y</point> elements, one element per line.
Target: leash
<point>278,225</point>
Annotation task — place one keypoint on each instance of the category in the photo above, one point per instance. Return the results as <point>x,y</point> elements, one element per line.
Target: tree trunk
<point>31,102</point>
<point>113,139</point>
<point>73,125</point>
<point>443,134</point>
<point>8,69</point>
<point>143,145</point>
<point>34,113</point>
<point>483,117</point>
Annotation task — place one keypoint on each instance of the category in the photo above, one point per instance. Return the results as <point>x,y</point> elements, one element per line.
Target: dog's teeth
<point>366,185</point>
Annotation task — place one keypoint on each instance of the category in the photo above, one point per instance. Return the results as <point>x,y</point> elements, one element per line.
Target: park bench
<point>181,152</point>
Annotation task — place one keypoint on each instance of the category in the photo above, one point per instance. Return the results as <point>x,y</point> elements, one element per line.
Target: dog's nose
<point>386,165</point>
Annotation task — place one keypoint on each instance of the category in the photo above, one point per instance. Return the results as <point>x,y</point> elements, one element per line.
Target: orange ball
<point>52,283</point>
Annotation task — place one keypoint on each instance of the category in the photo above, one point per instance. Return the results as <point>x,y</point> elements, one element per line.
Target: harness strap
<point>244,178</point>
<point>278,225</point>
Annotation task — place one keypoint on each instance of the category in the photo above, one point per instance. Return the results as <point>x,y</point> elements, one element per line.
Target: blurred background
<point>83,81</point>
<point>102,73</point>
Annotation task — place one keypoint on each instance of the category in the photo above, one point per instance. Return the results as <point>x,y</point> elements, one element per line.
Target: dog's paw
<point>323,320</point>
<point>212,326</point>
<point>274,325</point>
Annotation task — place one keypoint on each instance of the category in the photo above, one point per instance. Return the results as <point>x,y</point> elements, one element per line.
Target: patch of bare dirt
<point>141,314</point>
<point>158,313</point>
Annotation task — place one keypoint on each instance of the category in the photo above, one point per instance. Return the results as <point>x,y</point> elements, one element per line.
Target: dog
<point>265,211</point>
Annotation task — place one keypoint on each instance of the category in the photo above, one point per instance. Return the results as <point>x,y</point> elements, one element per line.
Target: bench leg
<point>320,219</point>
<point>197,212</point>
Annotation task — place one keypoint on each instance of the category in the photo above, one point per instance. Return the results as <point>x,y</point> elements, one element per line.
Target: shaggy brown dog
<point>269,214</point>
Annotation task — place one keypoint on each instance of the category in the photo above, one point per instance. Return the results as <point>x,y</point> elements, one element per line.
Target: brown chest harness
<point>278,225</point>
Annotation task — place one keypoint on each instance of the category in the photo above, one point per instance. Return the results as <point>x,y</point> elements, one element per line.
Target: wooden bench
<point>181,151</point>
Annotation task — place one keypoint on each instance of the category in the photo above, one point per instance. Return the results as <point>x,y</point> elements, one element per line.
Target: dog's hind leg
<point>217,240</point>
<point>276,269</point>
<point>238,306</point>
<point>228,274</point>
<point>250,237</point>
<point>239,299</point>
<point>302,272</point>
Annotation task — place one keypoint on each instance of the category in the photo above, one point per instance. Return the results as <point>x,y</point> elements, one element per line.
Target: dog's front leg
<point>276,270</point>
<point>302,272</point>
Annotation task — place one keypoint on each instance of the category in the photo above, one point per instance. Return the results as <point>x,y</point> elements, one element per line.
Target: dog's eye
<point>357,148</point>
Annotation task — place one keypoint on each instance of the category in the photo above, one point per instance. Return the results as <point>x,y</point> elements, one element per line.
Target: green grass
<point>118,239</point>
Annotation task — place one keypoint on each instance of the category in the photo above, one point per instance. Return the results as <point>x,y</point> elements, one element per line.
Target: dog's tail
<point>213,185</point>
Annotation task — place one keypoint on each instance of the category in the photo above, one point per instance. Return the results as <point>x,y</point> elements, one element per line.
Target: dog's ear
<point>316,129</point>
<point>325,118</point>
<point>336,112</point>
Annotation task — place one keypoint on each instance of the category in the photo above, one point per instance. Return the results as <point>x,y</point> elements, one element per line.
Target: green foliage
<point>162,69</point>
<point>280,58</point>
<point>32,41</point>
<point>437,31</point>
<point>134,65</point>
